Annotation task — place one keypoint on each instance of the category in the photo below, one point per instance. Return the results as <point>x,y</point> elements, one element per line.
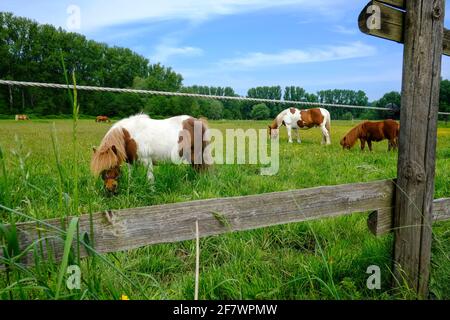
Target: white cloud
<point>298,56</point>
<point>111,12</point>
<point>105,13</point>
<point>164,52</point>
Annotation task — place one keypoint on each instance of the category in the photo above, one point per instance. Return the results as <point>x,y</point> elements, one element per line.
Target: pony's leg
<point>363,144</point>
<point>298,135</point>
<point>289,130</point>
<point>325,134</point>
<point>148,163</point>
<point>369,143</point>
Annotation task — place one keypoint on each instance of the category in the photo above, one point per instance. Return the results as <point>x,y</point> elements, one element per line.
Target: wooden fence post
<point>423,36</point>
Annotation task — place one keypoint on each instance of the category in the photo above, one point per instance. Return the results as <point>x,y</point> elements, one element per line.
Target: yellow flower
<point>124,297</point>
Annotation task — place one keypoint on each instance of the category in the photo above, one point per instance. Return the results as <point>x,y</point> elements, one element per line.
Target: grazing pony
<point>295,119</point>
<point>102,119</point>
<point>372,131</point>
<point>21,117</point>
<point>140,138</point>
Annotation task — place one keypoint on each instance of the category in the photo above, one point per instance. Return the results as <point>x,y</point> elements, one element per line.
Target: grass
<point>325,259</point>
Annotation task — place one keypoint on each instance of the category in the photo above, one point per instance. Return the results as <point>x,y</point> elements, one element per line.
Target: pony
<point>295,119</point>
<point>140,138</point>
<point>102,119</point>
<point>21,117</point>
<point>372,131</point>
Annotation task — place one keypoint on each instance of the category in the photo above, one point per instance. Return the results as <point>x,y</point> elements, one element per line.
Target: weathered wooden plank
<point>390,21</point>
<point>391,24</point>
<point>380,222</point>
<point>441,209</point>
<point>132,228</point>
<point>417,143</point>
<point>446,42</point>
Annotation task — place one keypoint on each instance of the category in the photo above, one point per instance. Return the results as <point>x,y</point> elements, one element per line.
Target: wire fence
<point>185,94</point>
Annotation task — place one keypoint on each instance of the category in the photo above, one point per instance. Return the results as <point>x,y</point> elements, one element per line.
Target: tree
<point>33,52</point>
<point>444,100</point>
<point>391,101</point>
<point>260,112</point>
<point>345,97</point>
<point>272,93</point>
<point>211,109</point>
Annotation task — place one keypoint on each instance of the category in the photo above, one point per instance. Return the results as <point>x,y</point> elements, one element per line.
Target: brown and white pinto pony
<point>372,131</point>
<point>140,138</point>
<point>295,119</point>
<point>102,119</point>
<point>21,117</point>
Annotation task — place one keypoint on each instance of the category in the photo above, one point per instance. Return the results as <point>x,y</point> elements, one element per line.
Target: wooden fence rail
<point>120,230</point>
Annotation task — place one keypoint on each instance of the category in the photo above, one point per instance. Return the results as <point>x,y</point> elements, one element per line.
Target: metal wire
<point>185,94</point>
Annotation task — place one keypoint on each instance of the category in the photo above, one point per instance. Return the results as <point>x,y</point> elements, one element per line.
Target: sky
<point>241,44</point>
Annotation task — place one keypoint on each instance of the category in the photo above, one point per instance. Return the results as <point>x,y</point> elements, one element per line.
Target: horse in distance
<point>368,131</point>
<point>102,119</point>
<point>295,119</point>
<point>22,117</point>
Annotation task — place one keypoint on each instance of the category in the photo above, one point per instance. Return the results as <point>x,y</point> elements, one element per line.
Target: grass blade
<point>67,247</point>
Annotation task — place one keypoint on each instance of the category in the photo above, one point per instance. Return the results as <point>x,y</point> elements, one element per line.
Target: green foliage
<point>347,116</point>
<point>211,109</point>
<point>159,78</point>
<point>260,112</point>
<point>392,101</point>
<point>273,93</point>
<point>32,52</point>
<point>445,96</point>
<point>347,97</point>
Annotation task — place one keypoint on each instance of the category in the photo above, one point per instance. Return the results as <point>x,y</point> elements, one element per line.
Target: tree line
<point>36,52</point>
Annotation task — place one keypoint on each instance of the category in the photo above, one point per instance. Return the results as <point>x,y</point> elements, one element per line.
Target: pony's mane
<point>105,158</point>
<point>352,136</point>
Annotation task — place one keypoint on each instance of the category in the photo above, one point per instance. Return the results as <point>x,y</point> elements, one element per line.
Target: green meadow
<point>44,173</point>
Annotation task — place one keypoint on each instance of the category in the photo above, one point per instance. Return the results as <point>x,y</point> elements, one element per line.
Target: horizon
<point>230,43</point>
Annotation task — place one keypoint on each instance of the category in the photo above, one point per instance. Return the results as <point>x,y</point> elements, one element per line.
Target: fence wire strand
<point>185,94</point>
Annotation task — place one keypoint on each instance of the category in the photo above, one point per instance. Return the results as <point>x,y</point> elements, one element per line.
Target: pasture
<point>325,259</point>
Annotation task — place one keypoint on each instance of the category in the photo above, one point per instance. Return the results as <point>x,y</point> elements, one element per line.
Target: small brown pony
<point>21,117</point>
<point>102,119</point>
<point>372,131</point>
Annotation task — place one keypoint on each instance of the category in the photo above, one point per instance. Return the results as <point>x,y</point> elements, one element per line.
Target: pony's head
<point>349,140</point>
<point>111,179</point>
<point>273,130</point>
<point>107,159</point>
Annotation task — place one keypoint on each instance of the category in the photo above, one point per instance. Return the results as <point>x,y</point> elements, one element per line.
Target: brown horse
<point>372,131</point>
<point>102,119</point>
<point>21,117</point>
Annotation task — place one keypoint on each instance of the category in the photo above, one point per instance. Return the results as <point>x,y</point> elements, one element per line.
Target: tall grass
<point>324,259</point>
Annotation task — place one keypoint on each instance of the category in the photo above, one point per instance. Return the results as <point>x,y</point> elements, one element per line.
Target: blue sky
<point>242,44</point>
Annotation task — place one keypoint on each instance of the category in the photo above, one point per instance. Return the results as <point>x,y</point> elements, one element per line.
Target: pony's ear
<point>114,149</point>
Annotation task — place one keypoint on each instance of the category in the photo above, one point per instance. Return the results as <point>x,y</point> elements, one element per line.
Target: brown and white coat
<point>140,138</point>
<point>295,119</point>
